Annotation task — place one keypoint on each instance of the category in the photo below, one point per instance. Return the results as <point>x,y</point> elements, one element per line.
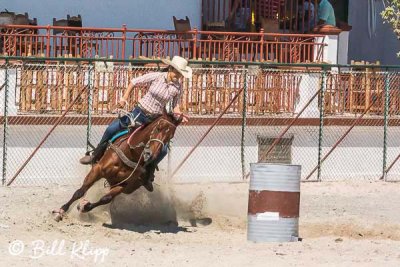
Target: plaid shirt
<point>160,92</point>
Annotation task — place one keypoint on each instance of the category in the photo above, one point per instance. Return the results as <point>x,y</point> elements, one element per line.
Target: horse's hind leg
<point>90,179</point>
<point>87,206</point>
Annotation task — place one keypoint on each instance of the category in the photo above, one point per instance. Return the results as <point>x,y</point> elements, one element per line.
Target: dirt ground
<point>341,223</point>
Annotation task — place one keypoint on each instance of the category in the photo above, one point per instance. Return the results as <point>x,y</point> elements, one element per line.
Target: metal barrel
<point>274,202</point>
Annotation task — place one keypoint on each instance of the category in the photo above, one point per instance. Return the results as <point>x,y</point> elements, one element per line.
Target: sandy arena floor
<point>342,224</point>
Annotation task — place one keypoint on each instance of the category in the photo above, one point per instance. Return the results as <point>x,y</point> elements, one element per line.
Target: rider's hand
<point>120,105</point>
<point>185,118</point>
<point>178,114</point>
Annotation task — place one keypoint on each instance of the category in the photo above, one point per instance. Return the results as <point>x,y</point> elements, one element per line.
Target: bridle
<point>157,129</point>
<point>146,147</point>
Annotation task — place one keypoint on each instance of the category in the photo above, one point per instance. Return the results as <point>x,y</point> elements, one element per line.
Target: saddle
<point>131,127</point>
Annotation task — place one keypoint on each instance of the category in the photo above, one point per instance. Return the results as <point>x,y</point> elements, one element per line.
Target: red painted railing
<point>122,43</point>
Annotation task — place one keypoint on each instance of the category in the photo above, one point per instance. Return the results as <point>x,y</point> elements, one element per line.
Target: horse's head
<point>162,132</point>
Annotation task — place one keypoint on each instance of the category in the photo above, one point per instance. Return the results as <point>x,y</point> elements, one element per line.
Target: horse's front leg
<point>90,179</point>
<point>86,206</point>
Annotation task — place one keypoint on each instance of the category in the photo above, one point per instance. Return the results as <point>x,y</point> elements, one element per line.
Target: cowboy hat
<point>180,64</point>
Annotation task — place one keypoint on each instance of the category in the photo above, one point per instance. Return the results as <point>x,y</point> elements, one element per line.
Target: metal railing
<point>123,43</point>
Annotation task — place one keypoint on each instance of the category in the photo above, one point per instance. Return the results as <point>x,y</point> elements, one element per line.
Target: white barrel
<point>274,202</point>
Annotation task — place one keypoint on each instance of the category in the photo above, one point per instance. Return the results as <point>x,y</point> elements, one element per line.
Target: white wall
<point>383,45</point>
<point>137,14</point>
<point>12,108</point>
<point>218,159</point>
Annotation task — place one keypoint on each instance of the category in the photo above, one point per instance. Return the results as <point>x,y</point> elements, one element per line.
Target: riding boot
<point>96,155</point>
<point>148,176</point>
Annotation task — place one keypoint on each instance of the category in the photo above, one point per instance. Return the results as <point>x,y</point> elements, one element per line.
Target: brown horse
<point>138,149</point>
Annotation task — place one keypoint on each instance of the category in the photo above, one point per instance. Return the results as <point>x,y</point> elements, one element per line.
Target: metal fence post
<point>321,104</point>
<point>5,126</point>
<point>48,43</point>
<point>262,46</point>
<point>90,108</point>
<point>194,56</point>
<point>123,41</point>
<point>385,124</point>
<point>244,113</point>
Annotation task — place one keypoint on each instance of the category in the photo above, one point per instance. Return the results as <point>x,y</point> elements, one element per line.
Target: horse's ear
<point>179,120</point>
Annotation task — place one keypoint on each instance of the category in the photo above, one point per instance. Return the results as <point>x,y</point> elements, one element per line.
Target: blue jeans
<point>122,123</point>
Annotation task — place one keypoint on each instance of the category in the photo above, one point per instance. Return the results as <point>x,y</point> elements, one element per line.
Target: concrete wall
<point>218,159</point>
<point>110,13</point>
<point>382,46</point>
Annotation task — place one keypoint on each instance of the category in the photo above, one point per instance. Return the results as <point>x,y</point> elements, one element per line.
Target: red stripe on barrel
<point>286,203</point>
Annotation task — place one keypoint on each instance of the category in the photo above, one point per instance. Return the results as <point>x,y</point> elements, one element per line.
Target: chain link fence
<point>337,122</point>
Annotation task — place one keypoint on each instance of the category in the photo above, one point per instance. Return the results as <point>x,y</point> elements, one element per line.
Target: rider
<point>164,87</point>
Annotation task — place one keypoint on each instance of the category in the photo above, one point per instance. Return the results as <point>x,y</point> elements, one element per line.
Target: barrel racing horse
<point>124,162</point>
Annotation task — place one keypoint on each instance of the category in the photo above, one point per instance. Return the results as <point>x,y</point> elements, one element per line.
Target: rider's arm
<point>147,78</point>
<point>177,109</point>
<point>127,93</point>
<point>177,99</point>
<point>176,106</point>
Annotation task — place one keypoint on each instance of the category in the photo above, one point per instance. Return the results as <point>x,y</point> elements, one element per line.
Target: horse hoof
<point>58,215</point>
<point>83,206</point>
<point>58,218</point>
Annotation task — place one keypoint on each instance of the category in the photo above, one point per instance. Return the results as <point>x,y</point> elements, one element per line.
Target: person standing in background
<point>326,14</point>
<point>306,17</point>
